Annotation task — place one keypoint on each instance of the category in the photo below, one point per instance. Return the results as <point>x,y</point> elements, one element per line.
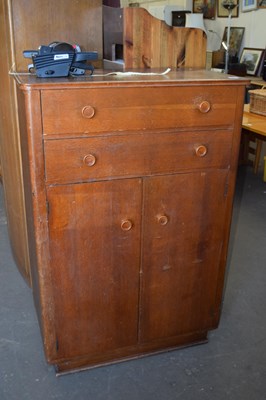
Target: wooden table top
<point>254,122</point>
<point>258,82</point>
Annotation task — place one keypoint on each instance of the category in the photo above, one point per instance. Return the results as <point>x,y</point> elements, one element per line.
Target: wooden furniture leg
<point>257,156</point>
<point>245,147</point>
<point>264,174</point>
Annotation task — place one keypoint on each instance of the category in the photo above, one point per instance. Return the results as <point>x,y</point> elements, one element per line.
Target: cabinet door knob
<point>88,112</point>
<point>204,107</point>
<point>162,219</point>
<point>201,150</point>
<point>89,160</point>
<point>126,225</point>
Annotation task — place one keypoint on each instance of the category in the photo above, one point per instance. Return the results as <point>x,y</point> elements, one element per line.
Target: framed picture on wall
<point>262,67</point>
<point>179,18</point>
<point>223,12</point>
<point>248,5</point>
<point>235,40</point>
<point>252,58</point>
<point>205,7</point>
<point>261,3</point>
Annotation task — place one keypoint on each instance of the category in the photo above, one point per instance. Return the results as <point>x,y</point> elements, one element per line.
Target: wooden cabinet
<point>129,185</point>
<point>27,24</point>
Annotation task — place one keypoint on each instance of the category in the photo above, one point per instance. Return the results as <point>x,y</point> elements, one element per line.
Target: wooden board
<point>11,170</point>
<point>40,23</point>
<point>151,43</point>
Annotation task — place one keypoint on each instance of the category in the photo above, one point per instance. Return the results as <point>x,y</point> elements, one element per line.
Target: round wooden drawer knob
<point>201,150</point>
<point>126,225</point>
<point>162,219</point>
<point>89,160</point>
<point>204,107</point>
<point>88,112</point>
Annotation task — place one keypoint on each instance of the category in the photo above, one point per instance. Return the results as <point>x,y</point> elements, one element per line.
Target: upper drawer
<point>86,111</point>
<point>142,154</point>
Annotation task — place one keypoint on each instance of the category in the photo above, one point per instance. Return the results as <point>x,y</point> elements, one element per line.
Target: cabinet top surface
<point>139,78</point>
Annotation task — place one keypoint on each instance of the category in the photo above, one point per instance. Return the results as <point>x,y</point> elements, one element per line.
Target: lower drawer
<point>86,159</point>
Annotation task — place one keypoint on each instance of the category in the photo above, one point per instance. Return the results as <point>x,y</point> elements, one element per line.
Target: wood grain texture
<point>96,262</point>
<point>36,23</point>
<point>129,258</point>
<point>26,24</point>
<point>112,31</point>
<point>143,108</point>
<point>36,213</point>
<point>254,122</point>
<point>133,155</point>
<point>151,43</point>
<point>10,153</point>
<point>181,256</point>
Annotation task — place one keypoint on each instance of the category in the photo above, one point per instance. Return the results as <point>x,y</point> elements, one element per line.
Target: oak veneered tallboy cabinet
<point>129,186</point>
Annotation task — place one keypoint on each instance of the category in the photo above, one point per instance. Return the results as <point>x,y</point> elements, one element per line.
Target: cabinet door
<point>94,249</point>
<point>183,238</point>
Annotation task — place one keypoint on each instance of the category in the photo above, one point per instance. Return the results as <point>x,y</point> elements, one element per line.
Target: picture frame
<point>260,71</point>
<point>261,4</point>
<point>249,5</point>
<point>179,17</point>
<point>235,40</point>
<point>252,58</point>
<point>222,12</point>
<point>205,7</point>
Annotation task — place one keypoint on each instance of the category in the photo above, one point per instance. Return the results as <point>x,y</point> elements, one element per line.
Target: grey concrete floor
<point>232,365</point>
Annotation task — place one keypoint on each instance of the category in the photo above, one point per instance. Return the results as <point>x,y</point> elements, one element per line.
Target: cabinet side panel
<point>10,153</point>
<point>230,197</point>
<point>36,212</point>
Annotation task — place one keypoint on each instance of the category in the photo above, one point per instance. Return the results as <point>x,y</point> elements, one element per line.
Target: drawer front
<point>85,111</point>
<point>88,159</point>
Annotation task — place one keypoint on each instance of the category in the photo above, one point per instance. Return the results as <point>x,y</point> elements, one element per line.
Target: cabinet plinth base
<point>89,362</point>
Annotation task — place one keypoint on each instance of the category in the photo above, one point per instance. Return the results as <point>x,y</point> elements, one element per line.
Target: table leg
<point>257,156</point>
<point>264,173</point>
